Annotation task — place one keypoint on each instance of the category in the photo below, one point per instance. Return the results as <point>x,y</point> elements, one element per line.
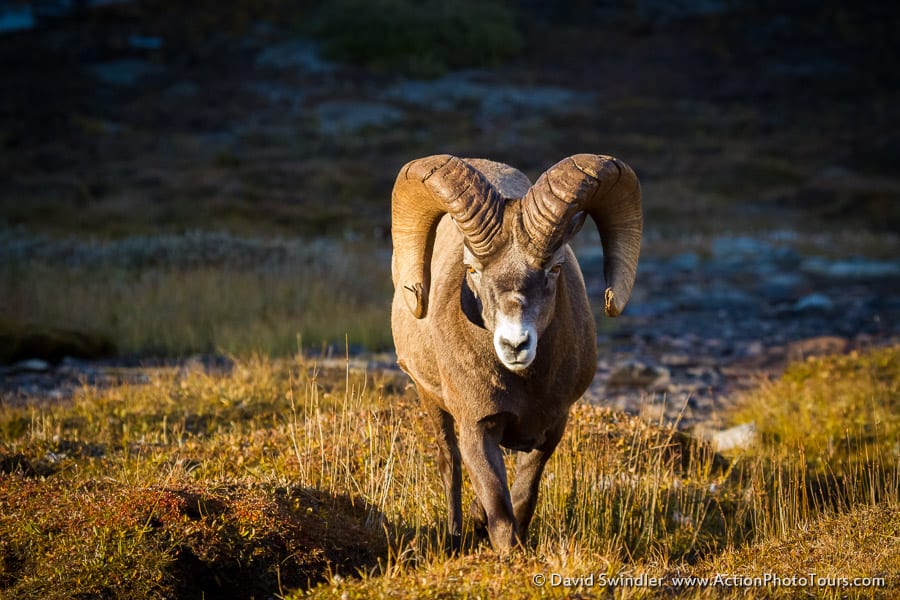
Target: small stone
<point>816,302</point>
<point>674,359</point>
<point>638,374</point>
<point>32,365</point>
<point>738,437</point>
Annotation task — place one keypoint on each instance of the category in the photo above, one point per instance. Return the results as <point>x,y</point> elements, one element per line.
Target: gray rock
<point>816,302</point>
<point>639,374</point>
<point>852,268</point>
<point>347,117</point>
<point>738,437</point>
<point>32,365</point>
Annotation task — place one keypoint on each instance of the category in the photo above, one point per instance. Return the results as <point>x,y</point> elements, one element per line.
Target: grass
<point>178,295</point>
<point>833,409</point>
<point>285,477</point>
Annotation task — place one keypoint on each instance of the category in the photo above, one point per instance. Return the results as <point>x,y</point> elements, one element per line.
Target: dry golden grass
<point>178,295</point>
<point>283,477</point>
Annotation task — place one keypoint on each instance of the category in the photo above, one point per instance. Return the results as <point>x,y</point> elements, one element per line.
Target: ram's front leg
<point>529,468</point>
<point>481,453</point>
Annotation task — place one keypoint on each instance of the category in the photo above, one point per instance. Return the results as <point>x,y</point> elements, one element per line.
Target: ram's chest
<point>530,421</point>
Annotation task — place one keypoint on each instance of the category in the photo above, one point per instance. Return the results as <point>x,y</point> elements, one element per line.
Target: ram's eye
<point>555,269</point>
<point>471,269</point>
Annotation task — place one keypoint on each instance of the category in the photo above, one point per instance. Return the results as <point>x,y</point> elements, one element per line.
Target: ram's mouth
<point>517,366</point>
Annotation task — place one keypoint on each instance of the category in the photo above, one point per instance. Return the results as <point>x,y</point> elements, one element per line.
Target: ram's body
<point>491,318</point>
<point>453,362</point>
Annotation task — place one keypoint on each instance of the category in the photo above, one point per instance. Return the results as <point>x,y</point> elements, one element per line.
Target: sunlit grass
<point>284,474</point>
<point>832,412</point>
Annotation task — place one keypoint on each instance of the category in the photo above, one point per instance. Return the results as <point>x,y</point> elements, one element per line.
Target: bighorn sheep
<point>490,315</point>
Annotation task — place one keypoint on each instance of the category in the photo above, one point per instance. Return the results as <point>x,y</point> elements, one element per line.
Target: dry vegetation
<point>284,478</point>
<point>199,292</point>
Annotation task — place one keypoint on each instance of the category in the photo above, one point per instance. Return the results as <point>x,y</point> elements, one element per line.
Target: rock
<point>816,302</point>
<point>852,268</point>
<point>32,365</point>
<point>674,359</point>
<point>638,374</point>
<point>739,437</point>
<point>341,117</point>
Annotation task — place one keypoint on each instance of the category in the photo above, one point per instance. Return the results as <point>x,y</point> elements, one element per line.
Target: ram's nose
<point>515,344</point>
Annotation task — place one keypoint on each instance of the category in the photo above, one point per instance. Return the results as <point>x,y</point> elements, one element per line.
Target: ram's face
<point>517,298</point>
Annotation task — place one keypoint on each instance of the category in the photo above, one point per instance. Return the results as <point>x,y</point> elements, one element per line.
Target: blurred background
<point>214,178</point>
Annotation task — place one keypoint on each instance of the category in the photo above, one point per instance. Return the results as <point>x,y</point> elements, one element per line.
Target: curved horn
<point>425,190</point>
<point>609,191</point>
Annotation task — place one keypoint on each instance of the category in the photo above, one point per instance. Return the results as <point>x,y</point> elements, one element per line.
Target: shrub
<point>418,38</point>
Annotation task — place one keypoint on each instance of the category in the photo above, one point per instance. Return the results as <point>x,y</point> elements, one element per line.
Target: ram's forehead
<point>515,259</point>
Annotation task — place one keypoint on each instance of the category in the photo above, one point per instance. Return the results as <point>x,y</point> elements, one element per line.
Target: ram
<point>491,318</point>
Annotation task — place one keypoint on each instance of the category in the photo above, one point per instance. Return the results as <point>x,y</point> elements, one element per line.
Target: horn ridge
<point>425,190</point>
<point>598,185</point>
